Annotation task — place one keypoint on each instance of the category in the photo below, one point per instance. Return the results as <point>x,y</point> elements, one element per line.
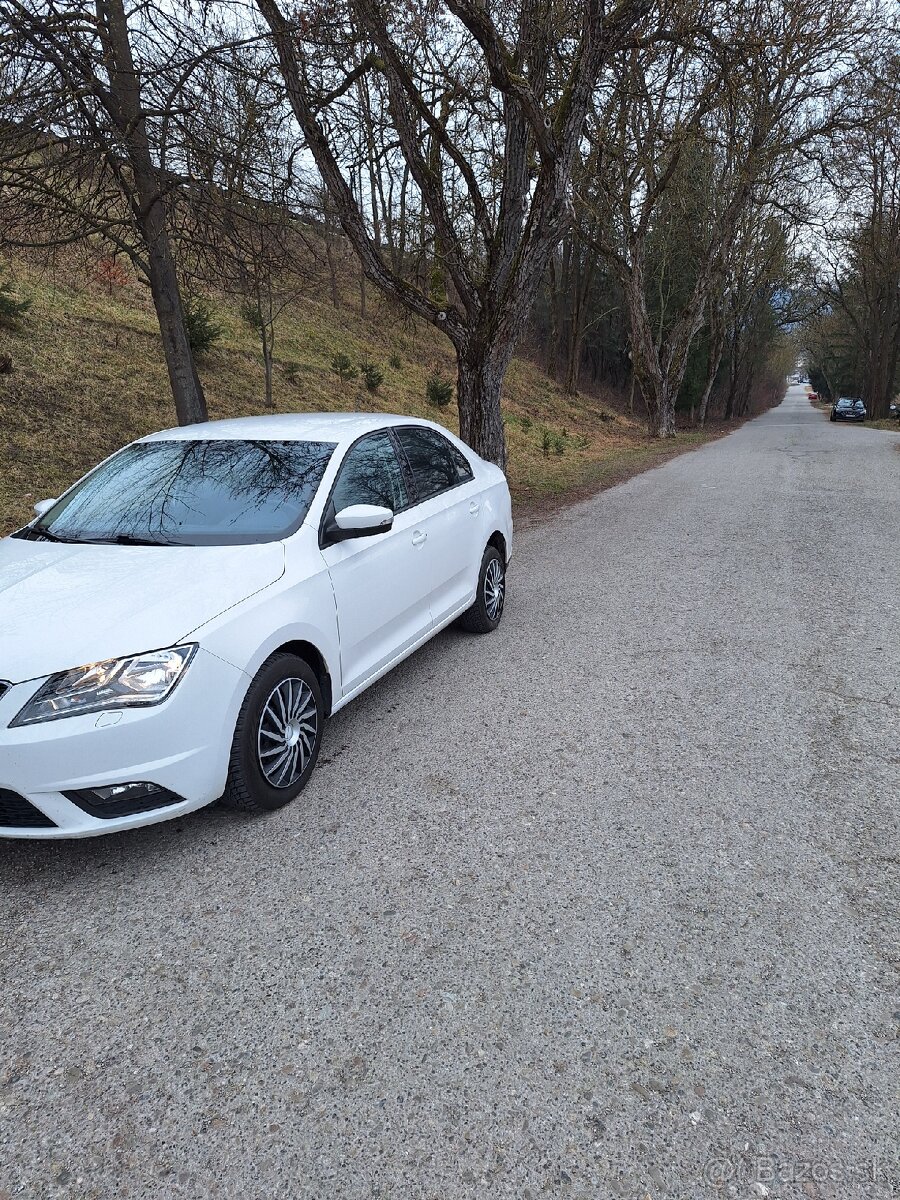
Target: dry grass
<point>88,375</point>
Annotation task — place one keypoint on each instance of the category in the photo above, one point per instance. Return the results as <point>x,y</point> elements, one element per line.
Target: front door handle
<point>419,537</point>
<point>474,508</point>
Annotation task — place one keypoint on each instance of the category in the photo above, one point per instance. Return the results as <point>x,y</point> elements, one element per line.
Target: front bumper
<point>182,746</point>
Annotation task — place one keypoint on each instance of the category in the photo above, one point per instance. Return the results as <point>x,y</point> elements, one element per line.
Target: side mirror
<point>360,520</point>
<point>44,506</point>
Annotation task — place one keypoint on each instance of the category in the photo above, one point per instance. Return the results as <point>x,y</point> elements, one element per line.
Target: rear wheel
<point>484,615</point>
<point>277,736</point>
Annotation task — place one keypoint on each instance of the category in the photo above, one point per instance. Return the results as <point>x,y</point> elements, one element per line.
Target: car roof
<point>340,427</point>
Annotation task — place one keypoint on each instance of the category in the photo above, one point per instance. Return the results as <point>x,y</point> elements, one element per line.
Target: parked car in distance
<point>848,408</point>
<point>177,627</point>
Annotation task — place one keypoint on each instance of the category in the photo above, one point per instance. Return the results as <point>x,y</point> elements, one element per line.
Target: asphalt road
<point>604,905</point>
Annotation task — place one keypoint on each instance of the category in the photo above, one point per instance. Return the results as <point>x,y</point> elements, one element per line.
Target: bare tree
<point>862,167</point>
<point>752,83</point>
<point>485,111</point>
<point>79,154</point>
<point>242,206</point>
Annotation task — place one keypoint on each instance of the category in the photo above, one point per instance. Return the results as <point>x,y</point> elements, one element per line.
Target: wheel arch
<point>313,655</point>
<point>498,541</point>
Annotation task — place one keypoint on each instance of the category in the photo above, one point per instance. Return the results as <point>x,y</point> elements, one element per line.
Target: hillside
<point>88,375</point>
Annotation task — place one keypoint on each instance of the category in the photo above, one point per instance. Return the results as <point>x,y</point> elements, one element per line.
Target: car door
<point>442,476</point>
<point>381,583</point>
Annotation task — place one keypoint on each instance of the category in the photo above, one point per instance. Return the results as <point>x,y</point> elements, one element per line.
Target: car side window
<point>435,463</point>
<point>371,474</point>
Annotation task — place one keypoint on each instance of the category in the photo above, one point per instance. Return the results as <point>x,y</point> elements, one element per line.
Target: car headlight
<point>135,682</point>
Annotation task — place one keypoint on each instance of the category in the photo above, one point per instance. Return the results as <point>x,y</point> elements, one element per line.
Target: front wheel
<point>484,615</point>
<point>277,736</point>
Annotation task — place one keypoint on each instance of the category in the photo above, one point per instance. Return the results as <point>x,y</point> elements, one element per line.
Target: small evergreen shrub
<point>395,361</point>
<point>6,364</point>
<point>372,374</point>
<point>547,443</point>
<point>526,424</point>
<point>252,316</point>
<point>438,389</point>
<point>202,330</point>
<point>343,367</point>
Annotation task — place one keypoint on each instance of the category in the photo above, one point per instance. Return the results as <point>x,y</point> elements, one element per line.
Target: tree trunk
<point>878,390</point>
<point>716,348</point>
<point>266,338</point>
<point>659,379</point>
<point>150,214</point>
<point>573,363</point>
<point>553,320</point>
<point>665,413</point>
<point>478,386</point>
<point>187,391</point>
<point>332,271</point>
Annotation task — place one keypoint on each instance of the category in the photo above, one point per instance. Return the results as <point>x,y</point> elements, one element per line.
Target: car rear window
<point>435,463</point>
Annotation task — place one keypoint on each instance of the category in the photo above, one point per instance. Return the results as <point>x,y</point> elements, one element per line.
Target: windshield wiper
<point>34,533</point>
<point>126,539</point>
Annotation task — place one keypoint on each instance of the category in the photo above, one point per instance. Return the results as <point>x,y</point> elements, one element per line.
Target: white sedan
<point>176,628</point>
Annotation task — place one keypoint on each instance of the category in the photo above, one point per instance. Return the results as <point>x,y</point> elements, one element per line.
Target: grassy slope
<point>89,375</point>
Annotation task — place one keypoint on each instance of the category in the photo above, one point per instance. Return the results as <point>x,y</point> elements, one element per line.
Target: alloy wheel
<point>494,587</point>
<point>287,732</point>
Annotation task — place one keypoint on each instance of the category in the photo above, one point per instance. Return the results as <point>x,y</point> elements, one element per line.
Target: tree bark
<point>266,338</point>
<point>480,372</point>
<point>878,389</point>
<point>150,214</point>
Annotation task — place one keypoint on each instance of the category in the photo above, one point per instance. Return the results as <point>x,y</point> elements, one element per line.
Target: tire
<point>490,596</point>
<point>832,417</point>
<point>264,774</point>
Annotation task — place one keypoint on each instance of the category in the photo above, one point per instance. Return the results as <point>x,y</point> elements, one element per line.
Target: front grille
<point>108,810</point>
<point>18,813</point>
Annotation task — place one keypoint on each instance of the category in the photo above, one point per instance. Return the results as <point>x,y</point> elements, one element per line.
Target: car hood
<point>65,605</point>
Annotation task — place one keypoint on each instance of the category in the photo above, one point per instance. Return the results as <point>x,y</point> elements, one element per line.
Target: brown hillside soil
<point>88,376</point>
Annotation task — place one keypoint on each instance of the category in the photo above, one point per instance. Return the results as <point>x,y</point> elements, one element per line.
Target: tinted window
<point>371,474</point>
<point>192,493</point>
<point>435,463</point>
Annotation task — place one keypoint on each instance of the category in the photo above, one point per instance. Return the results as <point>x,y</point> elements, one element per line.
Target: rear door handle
<point>474,508</point>
<point>419,537</point>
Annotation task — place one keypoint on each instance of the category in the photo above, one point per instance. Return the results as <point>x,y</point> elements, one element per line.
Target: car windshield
<point>844,403</point>
<point>190,493</point>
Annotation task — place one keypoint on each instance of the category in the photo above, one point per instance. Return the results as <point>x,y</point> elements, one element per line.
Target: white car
<point>178,625</point>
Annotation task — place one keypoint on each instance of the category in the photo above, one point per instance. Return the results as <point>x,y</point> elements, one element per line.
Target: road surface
<point>602,906</point>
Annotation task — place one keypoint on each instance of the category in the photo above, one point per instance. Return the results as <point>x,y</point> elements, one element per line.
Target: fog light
<point>124,791</point>
<point>122,799</point>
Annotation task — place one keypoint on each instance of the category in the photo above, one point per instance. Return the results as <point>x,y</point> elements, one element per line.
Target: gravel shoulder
<point>603,905</point>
